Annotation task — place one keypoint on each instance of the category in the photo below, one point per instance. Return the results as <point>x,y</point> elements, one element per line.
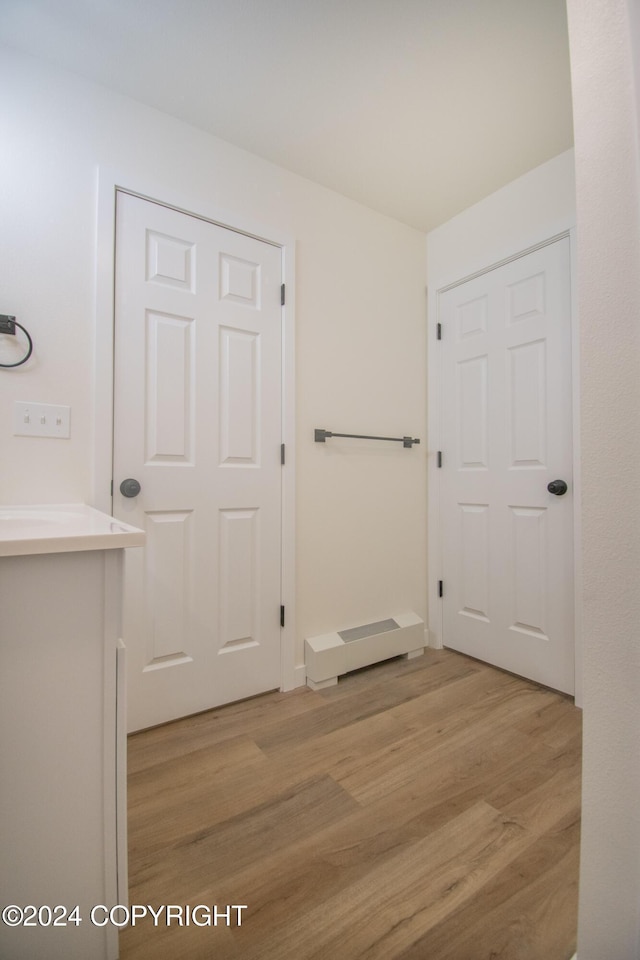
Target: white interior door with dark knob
<point>197,428</point>
<point>507,457</point>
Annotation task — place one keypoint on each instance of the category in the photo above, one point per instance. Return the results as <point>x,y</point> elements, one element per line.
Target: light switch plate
<point>41,420</point>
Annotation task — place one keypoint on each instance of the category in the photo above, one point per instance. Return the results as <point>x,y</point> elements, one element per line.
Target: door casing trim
<point>434,389</point>
<point>109,183</point>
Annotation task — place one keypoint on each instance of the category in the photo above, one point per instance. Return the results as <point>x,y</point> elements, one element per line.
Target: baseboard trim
<point>299,675</point>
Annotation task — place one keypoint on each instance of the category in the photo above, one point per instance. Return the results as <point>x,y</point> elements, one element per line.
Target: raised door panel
<point>527,405</point>
<point>240,281</point>
<point>239,579</point>
<point>472,413</point>
<point>170,261</point>
<point>474,554</point>
<point>169,577</point>
<point>526,298</point>
<point>170,389</point>
<point>239,386</point>
<point>472,318</point>
<point>529,566</point>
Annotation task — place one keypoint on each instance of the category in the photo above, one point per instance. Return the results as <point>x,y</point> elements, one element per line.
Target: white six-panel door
<point>197,422</point>
<point>507,542</point>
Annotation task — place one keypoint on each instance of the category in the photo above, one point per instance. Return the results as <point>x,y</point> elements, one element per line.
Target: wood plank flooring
<point>420,810</point>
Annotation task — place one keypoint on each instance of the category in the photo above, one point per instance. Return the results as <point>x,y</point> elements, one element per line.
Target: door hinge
<point>112,486</point>
<point>438,331</point>
<point>282,295</point>
<point>282,616</point>
<point>440,588</point>
<point>282,454</point>
<point>439,458</point>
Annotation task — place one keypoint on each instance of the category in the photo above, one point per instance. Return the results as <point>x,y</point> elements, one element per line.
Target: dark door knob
<point>130,487</point>
<point>557,487</point>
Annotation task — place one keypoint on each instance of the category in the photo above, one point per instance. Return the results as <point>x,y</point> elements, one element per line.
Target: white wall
<point>527,211</point>
<point>360,347</point>
<point>608,204</point>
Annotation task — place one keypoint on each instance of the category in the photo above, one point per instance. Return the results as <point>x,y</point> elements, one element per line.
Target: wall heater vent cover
<point>329,656</point>
<point>368,630</point>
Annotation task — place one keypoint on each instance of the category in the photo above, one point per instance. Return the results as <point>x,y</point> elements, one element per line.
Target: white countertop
<point>62,528</point>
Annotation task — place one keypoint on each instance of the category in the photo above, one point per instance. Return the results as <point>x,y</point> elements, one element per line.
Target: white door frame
<point>109,182</point>
<point>434,388</point>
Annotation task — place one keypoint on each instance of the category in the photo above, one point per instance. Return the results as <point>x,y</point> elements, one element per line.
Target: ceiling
<point>416,108</point>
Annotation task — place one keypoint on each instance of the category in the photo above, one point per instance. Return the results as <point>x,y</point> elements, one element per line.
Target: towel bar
<point>321,436</point>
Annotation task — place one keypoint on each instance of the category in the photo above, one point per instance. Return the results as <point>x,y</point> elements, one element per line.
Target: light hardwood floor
<point>420,810</point>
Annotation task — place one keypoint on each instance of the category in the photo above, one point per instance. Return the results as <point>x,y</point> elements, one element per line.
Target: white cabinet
<point>62,750</point>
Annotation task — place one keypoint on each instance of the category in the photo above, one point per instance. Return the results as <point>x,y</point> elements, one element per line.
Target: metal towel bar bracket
<point>321,436</point>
